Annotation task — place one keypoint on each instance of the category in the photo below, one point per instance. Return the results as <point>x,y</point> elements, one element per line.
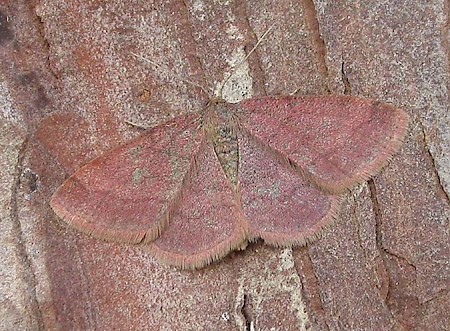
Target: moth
<point>204,184</point>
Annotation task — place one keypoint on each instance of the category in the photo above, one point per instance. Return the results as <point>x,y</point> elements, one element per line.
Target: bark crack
<point>246,313</point>
<point>384,252</point>
<point>379,237</point>
<point>426,144</point>
<point>318,42</point>
<point>379,223</point>
<point>358,224</point>
<point>256,63</point>
<point>45,42</point>
<point>377,213</point>
<point>318,308</point>
<point>29,275</point>
<point>345,80</point>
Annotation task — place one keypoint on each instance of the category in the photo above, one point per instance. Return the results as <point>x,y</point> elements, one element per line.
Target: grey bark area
<point>71,79</point>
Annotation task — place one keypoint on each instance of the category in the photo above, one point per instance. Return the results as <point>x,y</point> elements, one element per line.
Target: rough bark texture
<point>69,82</point>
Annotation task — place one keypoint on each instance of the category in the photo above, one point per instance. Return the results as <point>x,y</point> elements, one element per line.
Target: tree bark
<point>72,76</point>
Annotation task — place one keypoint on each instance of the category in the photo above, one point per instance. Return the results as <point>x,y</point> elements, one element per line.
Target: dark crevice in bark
<point>255,60</point>
<point>45,43</point>
<point>315,302</point>
<point>384,252</point>
<point>29,276</point>
<point>442,192</point>
<point>403,305</point>
<point>379,238</point>
<point>438,178</point>
<point>399,257</point>
<point>345,80</point>
<point>246,312</point>
<point>317,41</point>
<point>378,233</point>
<point>377,213</point>
<point>358,225</point>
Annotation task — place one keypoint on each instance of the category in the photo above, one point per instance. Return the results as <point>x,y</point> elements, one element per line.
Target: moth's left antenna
<point>156,65</point>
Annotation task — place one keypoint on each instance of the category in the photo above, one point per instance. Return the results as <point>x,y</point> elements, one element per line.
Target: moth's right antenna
<point>245,58</point>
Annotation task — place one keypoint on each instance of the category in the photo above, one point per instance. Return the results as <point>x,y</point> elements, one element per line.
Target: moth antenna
<point>245,59</point>
<point>172,72</point>
<point>295,91</point>
<point>259,41</point>
<point>136,125</point>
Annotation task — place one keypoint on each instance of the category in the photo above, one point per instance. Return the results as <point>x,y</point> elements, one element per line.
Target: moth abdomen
<point>226,146</point>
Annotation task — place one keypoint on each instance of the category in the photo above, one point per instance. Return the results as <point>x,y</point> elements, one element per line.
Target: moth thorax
<point>226,147</point>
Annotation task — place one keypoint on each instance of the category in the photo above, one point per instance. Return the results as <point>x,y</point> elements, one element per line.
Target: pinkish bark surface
<point>69,82</point>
